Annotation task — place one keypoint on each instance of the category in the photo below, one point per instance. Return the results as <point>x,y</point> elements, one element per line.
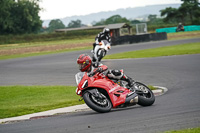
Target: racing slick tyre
<point>145,95</point>
<point>101,105</point>
<point>100,54</point>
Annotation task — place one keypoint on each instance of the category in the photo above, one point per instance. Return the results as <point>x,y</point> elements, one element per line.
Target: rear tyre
<point>101,105</point>
<point>145,95</point>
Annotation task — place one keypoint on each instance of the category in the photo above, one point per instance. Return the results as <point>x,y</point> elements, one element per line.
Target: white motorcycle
<point>100,50</point>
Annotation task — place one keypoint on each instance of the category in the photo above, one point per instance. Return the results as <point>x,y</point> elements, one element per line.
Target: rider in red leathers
<point>86,65</point>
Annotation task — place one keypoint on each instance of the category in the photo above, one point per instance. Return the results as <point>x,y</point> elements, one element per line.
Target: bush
<point>10,39</point>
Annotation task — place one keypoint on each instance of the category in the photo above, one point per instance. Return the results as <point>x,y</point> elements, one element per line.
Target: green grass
<point>23,38</point>
<point>3,57</point>
<point>190,130</point>
<point>46,43</point>
<point>67,41</point>
<point>152,87</point>
<point>21,100</point>
<point>183,35</point>
<point>181,49</point>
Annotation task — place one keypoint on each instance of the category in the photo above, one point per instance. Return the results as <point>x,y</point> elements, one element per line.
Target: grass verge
<point>19,50</point>
<point>181,49</point>
<point>183,35</point>
<point>190,130</point>
<point>3,57</point>
<point>45,43</point>
<point>9,51</point>
<point>21,100</point>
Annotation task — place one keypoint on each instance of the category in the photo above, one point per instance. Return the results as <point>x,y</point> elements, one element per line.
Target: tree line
<point>19,16</point>
<point>22,16</point>
<point>188,12</point>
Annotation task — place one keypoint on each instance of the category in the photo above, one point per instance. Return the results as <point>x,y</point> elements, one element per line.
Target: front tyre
<point>101,105</point>
<point>100,54</point>
<point>145,95</point>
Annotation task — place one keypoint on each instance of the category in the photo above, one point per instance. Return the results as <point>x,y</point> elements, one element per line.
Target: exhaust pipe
<point>131,98</point>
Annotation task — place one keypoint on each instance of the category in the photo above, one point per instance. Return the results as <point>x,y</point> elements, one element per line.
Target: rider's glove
<point>95,64</point>
<point>99,69</point>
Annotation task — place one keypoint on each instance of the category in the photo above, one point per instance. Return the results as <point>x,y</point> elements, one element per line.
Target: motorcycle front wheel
<point>100,54</point>
<point>101,105</point>
<point>145,95</point>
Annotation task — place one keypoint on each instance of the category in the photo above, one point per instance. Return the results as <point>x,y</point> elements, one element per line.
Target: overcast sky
<point>65,8</point>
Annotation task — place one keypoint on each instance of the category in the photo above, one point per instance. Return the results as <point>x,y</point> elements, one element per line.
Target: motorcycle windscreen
<point>79,77</point>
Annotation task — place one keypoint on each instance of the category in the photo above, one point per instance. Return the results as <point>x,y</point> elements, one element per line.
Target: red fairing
<point>101,81</point>
<point>104,67</point>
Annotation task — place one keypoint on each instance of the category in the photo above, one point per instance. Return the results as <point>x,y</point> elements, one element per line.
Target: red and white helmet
<point>85,62</point>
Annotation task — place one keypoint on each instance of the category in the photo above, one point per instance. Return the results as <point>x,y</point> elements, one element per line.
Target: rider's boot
<point>94,44</point>
<point>129,80</point>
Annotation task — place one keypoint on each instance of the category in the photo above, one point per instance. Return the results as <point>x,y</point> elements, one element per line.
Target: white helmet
<point>106,30</point>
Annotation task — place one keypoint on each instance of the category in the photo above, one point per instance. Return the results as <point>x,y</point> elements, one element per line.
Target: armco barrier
<point>129,39</point>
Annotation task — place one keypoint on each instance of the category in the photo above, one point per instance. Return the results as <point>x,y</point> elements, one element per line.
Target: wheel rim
<point>143,90</point>
<point>102,102</point>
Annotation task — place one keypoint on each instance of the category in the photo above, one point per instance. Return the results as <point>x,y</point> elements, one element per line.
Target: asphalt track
<point>59,69</point>
<point>179,108</point>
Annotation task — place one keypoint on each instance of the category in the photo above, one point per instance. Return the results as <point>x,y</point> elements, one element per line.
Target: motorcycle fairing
<point>117,94</point>
<point>103,45</point>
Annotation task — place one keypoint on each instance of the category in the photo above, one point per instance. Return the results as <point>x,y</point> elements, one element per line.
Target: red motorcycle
<point>101,93</point>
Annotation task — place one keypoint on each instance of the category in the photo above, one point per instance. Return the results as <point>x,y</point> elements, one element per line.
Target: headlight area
<point>85,84</point>
<point>78,92</point>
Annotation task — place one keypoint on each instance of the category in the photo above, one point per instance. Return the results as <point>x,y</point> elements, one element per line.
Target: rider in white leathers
<point>102,36</point>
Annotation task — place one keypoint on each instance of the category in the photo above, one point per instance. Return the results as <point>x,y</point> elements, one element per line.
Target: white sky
<point>65,8</point>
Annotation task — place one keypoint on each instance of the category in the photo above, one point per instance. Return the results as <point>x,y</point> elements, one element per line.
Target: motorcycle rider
<point>86,65</point>
<point>102,36</point>
<point>180,27</point>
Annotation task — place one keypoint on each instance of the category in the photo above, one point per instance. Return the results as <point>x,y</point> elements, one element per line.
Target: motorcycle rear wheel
<point>98,105</point>
<point>146,98</point>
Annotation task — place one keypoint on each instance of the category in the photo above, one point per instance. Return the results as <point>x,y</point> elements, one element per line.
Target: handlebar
<point>93,73</point>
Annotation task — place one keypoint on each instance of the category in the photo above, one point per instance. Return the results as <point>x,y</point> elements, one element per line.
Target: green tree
<point>55,24</point>
<point>188,9</point>
<point>192,9</point>
<point>170,13</point>
<point>75,24</point>
<point>153,20</point>
<point>101,22</point>
<point>152,17</point>
<point>18,17</point>
<point>5,15</point>
<point>135,21</point>
<point>116,19</point>
<point>113,20</point>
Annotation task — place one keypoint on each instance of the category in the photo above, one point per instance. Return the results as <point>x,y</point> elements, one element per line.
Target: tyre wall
<point>129,39</point>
